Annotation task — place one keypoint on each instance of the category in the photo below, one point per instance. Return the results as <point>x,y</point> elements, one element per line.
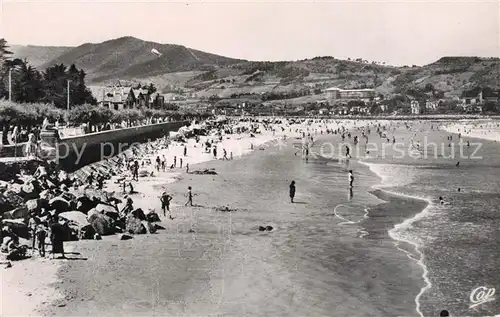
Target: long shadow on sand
<point>300,202</point>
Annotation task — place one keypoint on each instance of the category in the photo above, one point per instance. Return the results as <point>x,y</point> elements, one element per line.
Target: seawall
<point>76,151</point>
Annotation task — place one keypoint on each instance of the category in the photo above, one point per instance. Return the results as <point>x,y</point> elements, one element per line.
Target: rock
<point>16,189</point>
<point>269,228</point>
<point>18,227</point>
<point>102,224</point>
<point>87,233</point>
<point>17,213</point>
<point>50,184</point>
<point>84,204</point>
<point>34,206</point>
<point>12,200</point>
<point>153,217</point>
<point>261,228</point>
<point>76,217</point>
<point>204,172</point>
<point>125,236</point>
<point>46,194</point>
<point>134,226</point>
<point>59,204</point>
<point>92,212</point>
<point>103,208</point>
<point>139,214</point>
<point>150,227</point>
<point>29,191</point>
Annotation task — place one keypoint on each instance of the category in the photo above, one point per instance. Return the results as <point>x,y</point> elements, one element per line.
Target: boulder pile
<point>35,192</point>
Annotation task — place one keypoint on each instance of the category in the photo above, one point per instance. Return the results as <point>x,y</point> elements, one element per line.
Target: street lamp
<point>67,99</point>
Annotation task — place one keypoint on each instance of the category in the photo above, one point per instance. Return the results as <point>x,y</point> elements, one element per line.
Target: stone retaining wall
<point>77,151</point>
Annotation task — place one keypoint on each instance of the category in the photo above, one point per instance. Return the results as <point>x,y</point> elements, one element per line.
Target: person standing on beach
<point>187,168</point>
<point>180,162</point>
<point>32,224</point>
<point>215,152</point>
<point>163,162</point>
<point>41,233</point>
<point>175,161</point>
<point>165,204</point>
<point>57,237</point>
<point>189,196</point>
<point>135,171</point>
<point>292,191</point>
<point>351,179</point>
<point>185,150</point>
<point>225,155</point>
<point>158,163</point>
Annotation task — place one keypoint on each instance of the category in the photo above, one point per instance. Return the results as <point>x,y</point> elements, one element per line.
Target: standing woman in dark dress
<point>292,190</point>
<point>57,237</point>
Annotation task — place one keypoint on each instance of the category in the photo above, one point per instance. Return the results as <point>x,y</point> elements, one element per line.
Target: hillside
<point>38,55</point>
<point>184,69</point>
<point>129,57</point>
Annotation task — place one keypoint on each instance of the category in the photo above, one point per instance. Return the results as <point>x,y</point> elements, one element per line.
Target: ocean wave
<point>389,180</point>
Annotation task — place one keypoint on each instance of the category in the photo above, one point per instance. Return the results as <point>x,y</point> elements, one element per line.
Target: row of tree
<point>27,116</point>
<point>29,85</point>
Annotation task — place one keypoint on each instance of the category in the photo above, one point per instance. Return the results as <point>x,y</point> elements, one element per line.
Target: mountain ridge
<point>130,58</point>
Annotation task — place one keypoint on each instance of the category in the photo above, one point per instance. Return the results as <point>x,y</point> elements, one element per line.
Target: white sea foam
<point>396,232</point>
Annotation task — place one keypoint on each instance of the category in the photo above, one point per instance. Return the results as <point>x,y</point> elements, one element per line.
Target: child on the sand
<point>189,196</point>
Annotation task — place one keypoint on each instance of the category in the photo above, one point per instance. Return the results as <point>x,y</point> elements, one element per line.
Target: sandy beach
<point>352,252</point>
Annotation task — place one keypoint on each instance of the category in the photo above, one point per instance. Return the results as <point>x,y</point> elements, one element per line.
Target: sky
<point>396,32</point>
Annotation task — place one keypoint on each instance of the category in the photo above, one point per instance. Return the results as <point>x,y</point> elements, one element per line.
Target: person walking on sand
<point>225,155</point>
<point>187,168</point>
<point>189,196</point>
<point>351,179</point>
<point>180,162</point>
<point>165,204</point>
<point>185,150</point>
<point>292,191</point>
<point>215,152</point>
<point>175,161</point>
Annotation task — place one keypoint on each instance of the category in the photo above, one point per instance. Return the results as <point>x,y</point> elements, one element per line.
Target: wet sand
<point>309,265</point>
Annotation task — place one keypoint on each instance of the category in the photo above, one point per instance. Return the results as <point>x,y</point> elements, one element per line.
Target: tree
<point>27,84</point>
<point>151,89</point>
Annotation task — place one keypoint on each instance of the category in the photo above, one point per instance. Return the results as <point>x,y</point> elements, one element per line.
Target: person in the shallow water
<point>351,179</point>
<point>292,191</point>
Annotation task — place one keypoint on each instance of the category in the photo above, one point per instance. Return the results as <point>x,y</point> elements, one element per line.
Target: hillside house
<point>431,106</point>
<point>337,93</point>
<point>117,98</point>
<point>156,101</point>
<point>480,96</point>
<point>472,108</point>
<point>415,107</point>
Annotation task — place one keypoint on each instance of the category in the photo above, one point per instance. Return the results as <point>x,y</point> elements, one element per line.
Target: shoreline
<point>397,239</point>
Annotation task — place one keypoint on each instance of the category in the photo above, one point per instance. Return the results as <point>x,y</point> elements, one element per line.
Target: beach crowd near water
<point>314,217</point>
